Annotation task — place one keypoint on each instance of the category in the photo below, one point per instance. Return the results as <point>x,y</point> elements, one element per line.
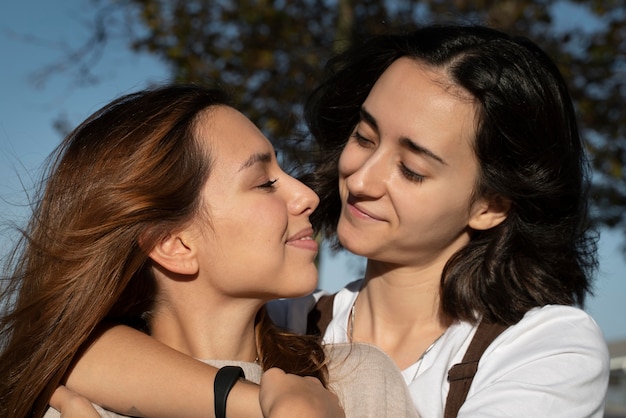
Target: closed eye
<point>268,185</point>
<point>411,175</point>
<point>361,140</point>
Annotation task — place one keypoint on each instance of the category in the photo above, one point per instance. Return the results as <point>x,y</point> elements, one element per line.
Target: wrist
<point>244,400</point>
<point>225,379</point>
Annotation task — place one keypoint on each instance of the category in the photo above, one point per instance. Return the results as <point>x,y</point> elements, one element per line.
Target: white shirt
<point>553,363</point>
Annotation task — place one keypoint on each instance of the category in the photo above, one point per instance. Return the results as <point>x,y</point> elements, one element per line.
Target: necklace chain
<point>351,319</point>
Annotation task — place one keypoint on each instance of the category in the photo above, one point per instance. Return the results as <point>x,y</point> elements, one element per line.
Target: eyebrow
<point>256,158</point>
<point>404,141</point>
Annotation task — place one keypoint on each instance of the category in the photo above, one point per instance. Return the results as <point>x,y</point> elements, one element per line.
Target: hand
<point>289,395</point>
<point>70,404</point>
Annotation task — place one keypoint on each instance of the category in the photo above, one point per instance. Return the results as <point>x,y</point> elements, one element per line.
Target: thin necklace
<point>419,361</point>
<point>351,319</point>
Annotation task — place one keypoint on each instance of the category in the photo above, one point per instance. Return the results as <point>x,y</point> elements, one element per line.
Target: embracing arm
<point>129,372</point>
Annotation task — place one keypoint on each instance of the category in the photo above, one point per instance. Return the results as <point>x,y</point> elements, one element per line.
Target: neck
<point>206,327</point>
<point>398,309</point>
<point>403,294</point>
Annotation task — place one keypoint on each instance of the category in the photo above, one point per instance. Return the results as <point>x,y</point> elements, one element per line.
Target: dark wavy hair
<point>131,172</point>
<point>529,151</point>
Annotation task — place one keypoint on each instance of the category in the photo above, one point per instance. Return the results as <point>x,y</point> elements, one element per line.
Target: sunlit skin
<point>258,240</point>
<point>251,242</point>
<point>406,180</point>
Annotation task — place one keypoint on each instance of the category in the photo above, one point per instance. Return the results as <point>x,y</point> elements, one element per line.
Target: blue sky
<point>35,34</point>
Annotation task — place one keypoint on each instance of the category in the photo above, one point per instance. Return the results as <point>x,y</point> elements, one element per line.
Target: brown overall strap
<point>461,375</point>
<point>320,316</point>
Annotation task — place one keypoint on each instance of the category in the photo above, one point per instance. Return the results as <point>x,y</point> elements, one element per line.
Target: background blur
<point>64,60</point>
<point>61,61</point>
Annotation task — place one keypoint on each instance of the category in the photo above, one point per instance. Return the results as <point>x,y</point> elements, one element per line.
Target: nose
<point>368,175</point>
<point>301,199</point>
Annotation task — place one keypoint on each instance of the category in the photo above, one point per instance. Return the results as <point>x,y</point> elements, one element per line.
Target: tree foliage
<point>269,54</point>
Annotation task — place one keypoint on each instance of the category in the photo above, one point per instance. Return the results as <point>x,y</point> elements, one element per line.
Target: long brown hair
<point>133,169</point>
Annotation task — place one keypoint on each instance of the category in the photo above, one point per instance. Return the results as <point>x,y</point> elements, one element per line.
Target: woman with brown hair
<point>167,211</point>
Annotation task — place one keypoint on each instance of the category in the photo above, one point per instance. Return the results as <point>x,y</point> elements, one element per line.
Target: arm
<point>129,372</point>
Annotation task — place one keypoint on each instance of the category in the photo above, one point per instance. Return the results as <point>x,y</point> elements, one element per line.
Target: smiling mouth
<point>304,240</point>
<point>358,212</point>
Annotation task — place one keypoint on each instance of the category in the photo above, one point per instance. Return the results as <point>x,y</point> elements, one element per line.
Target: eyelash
<point>360,138</point>
<point>268,185</point>
<point>408,174</point>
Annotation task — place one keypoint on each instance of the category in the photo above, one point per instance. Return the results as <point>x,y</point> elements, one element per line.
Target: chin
<point>295,293</point>
<point>297,283</point>
<point>306,286</point>
<point>352,244</point>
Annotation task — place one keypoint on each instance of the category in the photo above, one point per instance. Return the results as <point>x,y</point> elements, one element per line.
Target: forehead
<point>410,80</point>
<point>420,102</point>
<point>229,136</point>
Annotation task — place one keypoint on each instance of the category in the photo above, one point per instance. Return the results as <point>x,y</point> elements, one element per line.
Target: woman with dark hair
<point>167,211</point>
<point>463,180</point>
<point>450,158</point>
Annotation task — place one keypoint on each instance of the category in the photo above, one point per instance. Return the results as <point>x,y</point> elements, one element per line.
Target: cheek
<point>341,166</point>
<point>251,224</point>
<point>350,160</point>
<point>431,203</point>
<point>269,221</point>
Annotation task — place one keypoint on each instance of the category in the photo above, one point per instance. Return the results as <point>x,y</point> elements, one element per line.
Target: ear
<point>489,212</point>
<point>175,254</point>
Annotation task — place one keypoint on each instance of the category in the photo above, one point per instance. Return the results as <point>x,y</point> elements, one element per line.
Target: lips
<point>304,240</point>
<point>357,210</point>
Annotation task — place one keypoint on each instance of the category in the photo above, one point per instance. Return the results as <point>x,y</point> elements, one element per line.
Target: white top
<point>553,363</point>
